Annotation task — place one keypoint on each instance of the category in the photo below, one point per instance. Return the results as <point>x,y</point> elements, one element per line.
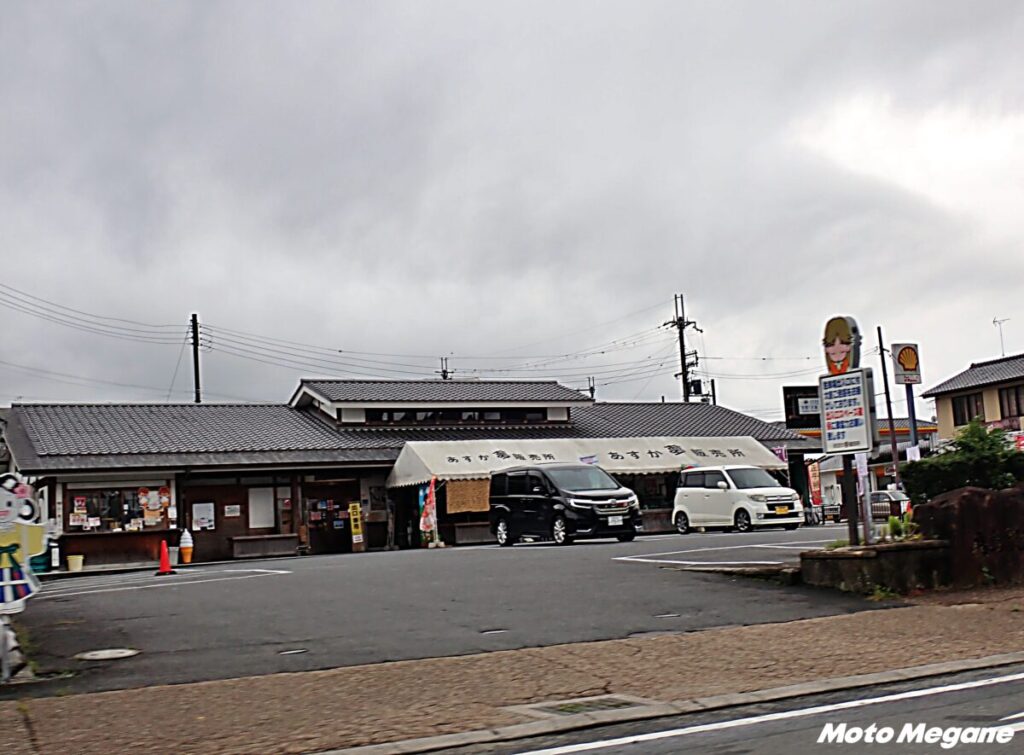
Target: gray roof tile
<point>443,391</point>
<point>979,374</point>
<point>83,429</point>
<point>615,419</point>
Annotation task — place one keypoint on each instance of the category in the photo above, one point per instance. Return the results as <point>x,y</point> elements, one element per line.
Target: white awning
<point>477,459</point>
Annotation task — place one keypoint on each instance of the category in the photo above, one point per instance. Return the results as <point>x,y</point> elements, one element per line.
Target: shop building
<point>265,479</point>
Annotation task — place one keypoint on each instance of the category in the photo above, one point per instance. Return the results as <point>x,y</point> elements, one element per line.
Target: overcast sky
<point>513,180</point>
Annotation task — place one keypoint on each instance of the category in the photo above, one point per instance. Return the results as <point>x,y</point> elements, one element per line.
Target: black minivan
<point>561,502</point>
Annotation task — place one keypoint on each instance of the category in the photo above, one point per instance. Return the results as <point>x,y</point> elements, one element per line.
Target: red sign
<point>814,479</point>
<point>1019,441</point>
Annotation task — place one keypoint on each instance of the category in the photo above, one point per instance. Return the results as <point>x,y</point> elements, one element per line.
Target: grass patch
<point>836,544</point>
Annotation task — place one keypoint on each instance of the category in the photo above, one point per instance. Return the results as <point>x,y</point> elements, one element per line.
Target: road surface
<point>985,698</point>
<point>246,618</point>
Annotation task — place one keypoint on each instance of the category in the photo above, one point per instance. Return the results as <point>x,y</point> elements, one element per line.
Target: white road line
<point>781,716</point>
<point>800,543</point>
<point>781,547</point>
<point>165,582</point>
<point>698,563</point>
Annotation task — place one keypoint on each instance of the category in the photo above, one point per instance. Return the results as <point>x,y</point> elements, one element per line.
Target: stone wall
<point>985,529</point>
<point>898,567</point>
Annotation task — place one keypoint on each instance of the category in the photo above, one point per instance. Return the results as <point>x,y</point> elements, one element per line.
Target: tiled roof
<point>121,436</point>
<point>443,391</point>
<point>979,374</point>
<point>902,425</point>
<point>84,429</point>
<point>615,419</point>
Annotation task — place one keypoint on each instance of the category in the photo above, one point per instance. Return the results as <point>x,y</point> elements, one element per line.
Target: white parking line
<point>780,716</point>
<point>796,543</point>
<point>699,563</point>
<point>168,581</point>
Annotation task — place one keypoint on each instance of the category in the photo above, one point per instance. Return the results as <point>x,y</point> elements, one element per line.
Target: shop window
<point>1011,401</point>
<point>966,408</point>
<point>116,509</point>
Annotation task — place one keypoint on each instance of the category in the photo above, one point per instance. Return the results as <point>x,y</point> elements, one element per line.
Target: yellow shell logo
<point>908,358</point>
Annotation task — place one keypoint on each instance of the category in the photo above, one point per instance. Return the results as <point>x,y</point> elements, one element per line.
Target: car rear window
<point>694,480</point>
<point>517,483</point>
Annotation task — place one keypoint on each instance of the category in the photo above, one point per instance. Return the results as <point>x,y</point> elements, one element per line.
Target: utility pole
<point>195,358</point>
<point>714,393</point>
<point>444,372</point>
<point>888,407</point>
<point>591,387</point>
<point>680,323</point>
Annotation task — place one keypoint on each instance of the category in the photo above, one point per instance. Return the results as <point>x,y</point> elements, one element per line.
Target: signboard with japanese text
<point>814,482</point>
<point>420,461</point>
<point>906,364</point>
<point>355,515</point>
<point>847,412</point>
<point>203,516</point>
<point>801,405</point>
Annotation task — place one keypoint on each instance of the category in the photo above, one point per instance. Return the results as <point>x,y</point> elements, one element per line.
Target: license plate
<point>615,521</point>
<point>782,510</point>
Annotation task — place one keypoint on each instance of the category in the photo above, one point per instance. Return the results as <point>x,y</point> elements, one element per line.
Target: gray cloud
<point>429,178</point>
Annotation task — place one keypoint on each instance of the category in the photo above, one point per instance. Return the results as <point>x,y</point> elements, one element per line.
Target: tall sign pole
<point>906,364</point>
<point>847,403</point>
<point>893,445</point>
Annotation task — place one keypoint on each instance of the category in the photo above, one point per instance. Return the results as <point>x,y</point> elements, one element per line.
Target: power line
<point>53,304</point>
<point>13,303</point>
<point>177,365</point>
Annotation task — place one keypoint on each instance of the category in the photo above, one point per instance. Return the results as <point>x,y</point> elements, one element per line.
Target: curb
<point>660,710</point>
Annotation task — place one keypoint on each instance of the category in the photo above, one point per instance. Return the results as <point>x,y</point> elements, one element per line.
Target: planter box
<point>899,567</point>
<point>657,521</point>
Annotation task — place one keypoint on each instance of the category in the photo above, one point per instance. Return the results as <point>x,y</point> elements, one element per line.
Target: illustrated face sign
<point>842,345</point>
<point>17,502</point>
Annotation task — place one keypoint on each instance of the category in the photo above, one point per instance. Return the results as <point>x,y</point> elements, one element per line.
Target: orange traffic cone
<point>165,561</point>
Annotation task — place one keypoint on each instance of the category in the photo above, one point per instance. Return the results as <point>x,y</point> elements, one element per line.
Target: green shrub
<point>895,527</point>
<point>979,457</point>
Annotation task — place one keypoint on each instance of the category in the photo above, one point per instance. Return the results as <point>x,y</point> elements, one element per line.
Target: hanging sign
<point>906,364</point>
<point>847,412</point>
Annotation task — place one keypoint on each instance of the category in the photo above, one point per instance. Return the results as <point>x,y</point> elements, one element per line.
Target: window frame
<point>1011,394</point>
<point>967,407</point>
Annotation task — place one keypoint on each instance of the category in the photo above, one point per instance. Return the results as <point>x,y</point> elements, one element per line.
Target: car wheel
<point>626,537</point>
<point>682,523</point>
<point>503,533</point>
<point>560,531</point>
<point>791,526</point>
<point>742,521</point>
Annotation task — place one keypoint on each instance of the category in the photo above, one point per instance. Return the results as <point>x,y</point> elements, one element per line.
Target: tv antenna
<point>999,324</point>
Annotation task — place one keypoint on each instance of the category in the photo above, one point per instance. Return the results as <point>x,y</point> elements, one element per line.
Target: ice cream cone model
<point>185,547</point>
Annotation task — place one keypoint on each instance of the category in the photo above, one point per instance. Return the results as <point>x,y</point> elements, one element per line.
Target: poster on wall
<point>80,504</point>
<point>77,520</point>
<point>152,518</point>
<point>203,516</point>
<point>233,509</point>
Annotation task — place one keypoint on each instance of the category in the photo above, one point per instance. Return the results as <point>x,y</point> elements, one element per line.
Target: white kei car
<point>736,497</point>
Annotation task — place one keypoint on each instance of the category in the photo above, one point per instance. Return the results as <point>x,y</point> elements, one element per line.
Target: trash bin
<point>173,553</point>
<point>75,563</point>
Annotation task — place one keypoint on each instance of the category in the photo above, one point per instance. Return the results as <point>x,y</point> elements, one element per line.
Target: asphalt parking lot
<point>299,614</point>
